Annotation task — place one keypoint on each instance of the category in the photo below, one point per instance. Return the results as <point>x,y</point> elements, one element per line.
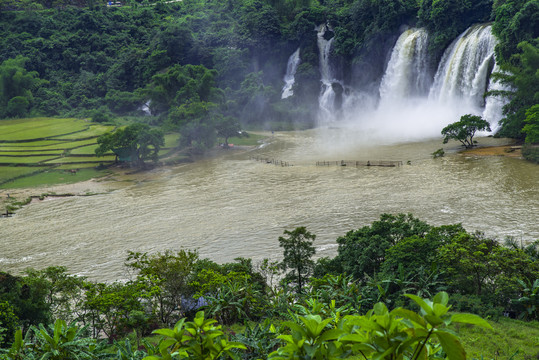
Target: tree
<point>168,276</point>
<point>227,127</point>
<point>135,142</point>
<point>16,85</point>
<point>298,251</point>
<point>361,252</point>
<point>531,129</point>
<point>465,129</point>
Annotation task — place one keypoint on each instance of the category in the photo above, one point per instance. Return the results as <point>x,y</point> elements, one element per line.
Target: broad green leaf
<point>470,319</point>
<point>410,315</point>
<point>380,309</point>
<point>330,335</point>
<point>440,309</point>
<point>164,332</point>
<point>433,320</point>
<point>441,298</point>
<point>356,338</point>
<point>451,345</point>
<point>419,301</point>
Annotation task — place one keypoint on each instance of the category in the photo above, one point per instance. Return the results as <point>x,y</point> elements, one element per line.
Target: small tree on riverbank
<point>464,130</point>
<point>136,142</point>
<point>298,252</point>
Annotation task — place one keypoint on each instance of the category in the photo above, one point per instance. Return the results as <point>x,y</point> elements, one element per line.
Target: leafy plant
<point>529,300</point>
<point>197,339</point>
<point>60,341</point>
<point>380,334</point>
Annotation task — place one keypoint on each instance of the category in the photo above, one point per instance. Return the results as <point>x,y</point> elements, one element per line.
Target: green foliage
<point>60,341</point>
<point>531,129</point>
<point>166,278</point>
<point>529,300</point>
<point>362,252</point>
<point>464,130</point>
<point>181,85</point>
<point>62,291</point>
<point>438,153</point>
<point>477,265</point>
<point>380,334</point>
<point>531,152</point>
<point>8,324</point>
<point>297,253</point>
<point>198,339</point>
<point>446,19</point>
<point>259,340</point>
<point>16,87</point>
<point>228,127</point>
<point>27,299</point>
<point>108,307</point>
<point>520,73</point>
<point>138,141</point>
<point>516,21</point>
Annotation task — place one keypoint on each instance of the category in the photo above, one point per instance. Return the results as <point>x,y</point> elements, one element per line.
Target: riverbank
<point>512,151</point>
<point>117,177</point>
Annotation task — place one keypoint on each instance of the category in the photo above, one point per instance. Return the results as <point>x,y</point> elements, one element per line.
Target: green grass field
<point>252,140</point>
<point>39,128</point>
<point>36,151</point>
<point>28,160</point>
<point>82,159</point>
<point>84,150</point>
<point>54,177</point>
<point>10,172</point>
<point>92,131</point>
<point>508,338</point>
<point>43,145</point>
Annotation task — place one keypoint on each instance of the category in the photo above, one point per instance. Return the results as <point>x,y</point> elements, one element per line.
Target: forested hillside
<point>188,63</point>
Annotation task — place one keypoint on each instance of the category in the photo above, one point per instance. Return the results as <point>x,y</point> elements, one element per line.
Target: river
<point>230,205</point>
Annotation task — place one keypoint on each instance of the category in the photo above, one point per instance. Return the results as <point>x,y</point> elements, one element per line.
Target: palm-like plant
<point>60,342</point>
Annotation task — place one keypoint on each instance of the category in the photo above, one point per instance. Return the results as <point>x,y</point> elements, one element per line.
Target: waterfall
<point>465,67</point>
<point>145,108</point>
<point>407,71</point>
<point>291,67</point>
<point>494,104</point>
<point>326,100</point>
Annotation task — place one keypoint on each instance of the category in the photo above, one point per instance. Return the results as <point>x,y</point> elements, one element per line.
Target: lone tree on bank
<point>134,143</point>
<point>298,251</point>
<point>465,129</point>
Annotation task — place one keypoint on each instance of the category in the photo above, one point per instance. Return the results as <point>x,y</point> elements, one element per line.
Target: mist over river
<point>230,205</point>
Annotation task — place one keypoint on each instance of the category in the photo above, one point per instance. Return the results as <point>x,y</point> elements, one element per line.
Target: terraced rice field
<point>39,151</point>
<point>29,148</point>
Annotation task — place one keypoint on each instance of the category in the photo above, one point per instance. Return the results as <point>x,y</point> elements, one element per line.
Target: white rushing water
<point>407,71</point>
<point>408,110</point>
<point>465,67</point>
<point>494,104</point>
<point>289,77</point>
<point>326,99</point>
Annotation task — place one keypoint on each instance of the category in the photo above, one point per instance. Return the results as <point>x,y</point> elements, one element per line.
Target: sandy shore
<point>506,150</point>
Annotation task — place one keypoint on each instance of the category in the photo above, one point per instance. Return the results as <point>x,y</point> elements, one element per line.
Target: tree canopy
<point>135,143</point>
<point>464,130</point>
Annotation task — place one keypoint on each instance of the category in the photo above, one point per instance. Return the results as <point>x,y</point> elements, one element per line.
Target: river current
<point>231,205</point>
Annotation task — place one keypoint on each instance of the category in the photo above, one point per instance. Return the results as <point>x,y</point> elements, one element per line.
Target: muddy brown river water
<point>231,205</point>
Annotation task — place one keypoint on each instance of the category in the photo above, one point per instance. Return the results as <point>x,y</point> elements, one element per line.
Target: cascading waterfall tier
<point>289,78</point>
<point>465,67</point>
<point>407,71</point>
<point>326,100</point>
<point>494,104</point>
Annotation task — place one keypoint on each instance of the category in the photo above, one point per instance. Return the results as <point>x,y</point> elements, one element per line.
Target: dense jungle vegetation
<point>200,65</point>
<point>370,301</point>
